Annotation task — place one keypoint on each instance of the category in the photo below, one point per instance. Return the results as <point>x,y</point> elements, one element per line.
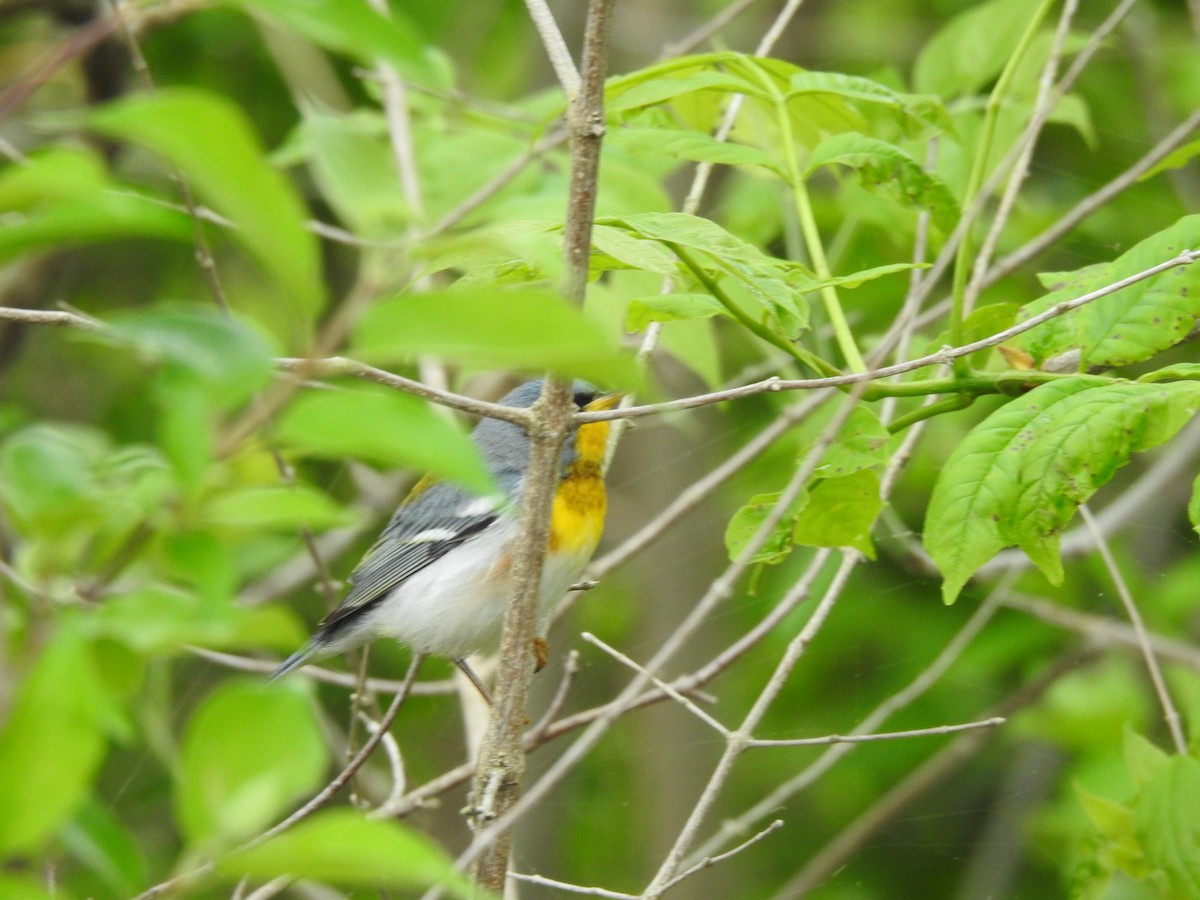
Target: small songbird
<point>440,574</point>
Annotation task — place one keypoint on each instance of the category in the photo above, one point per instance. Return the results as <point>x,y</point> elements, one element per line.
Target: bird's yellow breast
<point>579,505</point>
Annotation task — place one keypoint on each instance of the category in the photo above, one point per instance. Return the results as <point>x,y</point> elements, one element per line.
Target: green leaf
<point>99,217</point>
<point>671,308</point>
<point>27,887</point>
<point>249,750</point>
<point>51,744</point>
<point>356,29</point>
<point>275,506</point>
<point>341,847</point>
<point>971,49</point>
<point>383,427</point>
<point>1177,372</point>
<point>841,512</point>
<point>697,146</point>
<point>861,444</point>
<point>156,621</point>
<point>1168,826</point>
<point>46,476</point>
<point>213,145</point>
<point>747,520</point>
<point>1176,159</point>
<point>1128,326</point>
<point>859,99</point>
<point>1194,505</point>
<point>1019,476</point>
<point>231,358</point>
<point>354,166</point>
<point>805,283</point>
<point>1142,758</point>
<point>887,168</point>
<point>99,841</point>
<point>54,173</point>
<point>633,251</point>
<point>528,328</point>
<point>677,78</point>
<point>766,280</point>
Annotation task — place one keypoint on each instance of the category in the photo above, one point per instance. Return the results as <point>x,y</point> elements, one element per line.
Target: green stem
<point>809,230</point>
<point>959,401</point>
<point>963,258</point>
<point>804,357</point>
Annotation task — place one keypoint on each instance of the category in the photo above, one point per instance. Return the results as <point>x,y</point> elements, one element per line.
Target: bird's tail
<point>306,653</point>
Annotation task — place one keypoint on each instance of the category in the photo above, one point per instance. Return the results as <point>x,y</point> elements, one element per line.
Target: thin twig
<point>710,861</point>
<point>928,774</point>
<point>543,881</point>
<point>328,676</point>
<point>1170,712</point>
<point>825,740</point>
<point>555,46</point>
<point>324,796</point>
<point>941,357</point>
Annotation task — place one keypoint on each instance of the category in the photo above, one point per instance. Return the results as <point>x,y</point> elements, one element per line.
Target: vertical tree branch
<point>497,782</point>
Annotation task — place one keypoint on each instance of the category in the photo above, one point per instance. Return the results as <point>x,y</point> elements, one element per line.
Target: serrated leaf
<point>249,750</point>
<point>382,427</point>
<point>633,251</point>
<point>522,328</point>
<point>1019,476</point>
<point>1136,322</point>
<point>51,743</point>
<point>885,167</point>
<point>1168,826</point>
<point>766,280</point>
<point>213,145</point>
<point>861,444</point>
<point>913,113</point>
<point>671,308</point>
<point>697,146</point>
<point>841,512</point>
<point>343,848</point>
<point>677,78</point>
<point>747,520</point>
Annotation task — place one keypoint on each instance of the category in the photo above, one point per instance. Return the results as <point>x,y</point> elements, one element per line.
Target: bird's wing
<point>423,530</point>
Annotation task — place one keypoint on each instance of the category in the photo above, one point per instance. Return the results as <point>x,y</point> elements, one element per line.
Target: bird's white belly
<point>455,605</point>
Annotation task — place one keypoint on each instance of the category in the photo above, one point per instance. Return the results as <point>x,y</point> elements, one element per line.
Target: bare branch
<point>1170,712</point>
<point>543,881</point>
<point>881,736</point>
<point>710,861</point>
<point>556,47</point>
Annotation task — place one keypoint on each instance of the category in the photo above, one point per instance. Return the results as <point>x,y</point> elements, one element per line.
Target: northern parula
<point>440,574</point>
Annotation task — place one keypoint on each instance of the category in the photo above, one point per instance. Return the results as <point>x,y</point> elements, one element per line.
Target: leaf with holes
<point>1132,324</point>
<point>1019,476</point>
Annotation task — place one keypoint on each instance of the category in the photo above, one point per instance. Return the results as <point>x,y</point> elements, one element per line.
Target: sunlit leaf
<point>249,750</point>
<point>213,145</point>
<point>51,743</point>
<point>531,329</point>
<point>747,521</point>
<point>275,506</point>
<point>342,847</point>
<point>887,168</point>
<point>971,49</point>
<point>841,512</point>
<point>382,427</point>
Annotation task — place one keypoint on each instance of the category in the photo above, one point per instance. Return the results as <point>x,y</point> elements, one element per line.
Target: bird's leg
<point>474,679</point>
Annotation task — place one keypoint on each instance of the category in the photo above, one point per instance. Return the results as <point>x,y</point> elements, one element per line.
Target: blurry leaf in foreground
<point>342,847</point>
<point>382,427</point>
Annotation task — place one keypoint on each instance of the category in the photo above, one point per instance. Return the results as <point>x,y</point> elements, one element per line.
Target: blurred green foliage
<point>161,478</point>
